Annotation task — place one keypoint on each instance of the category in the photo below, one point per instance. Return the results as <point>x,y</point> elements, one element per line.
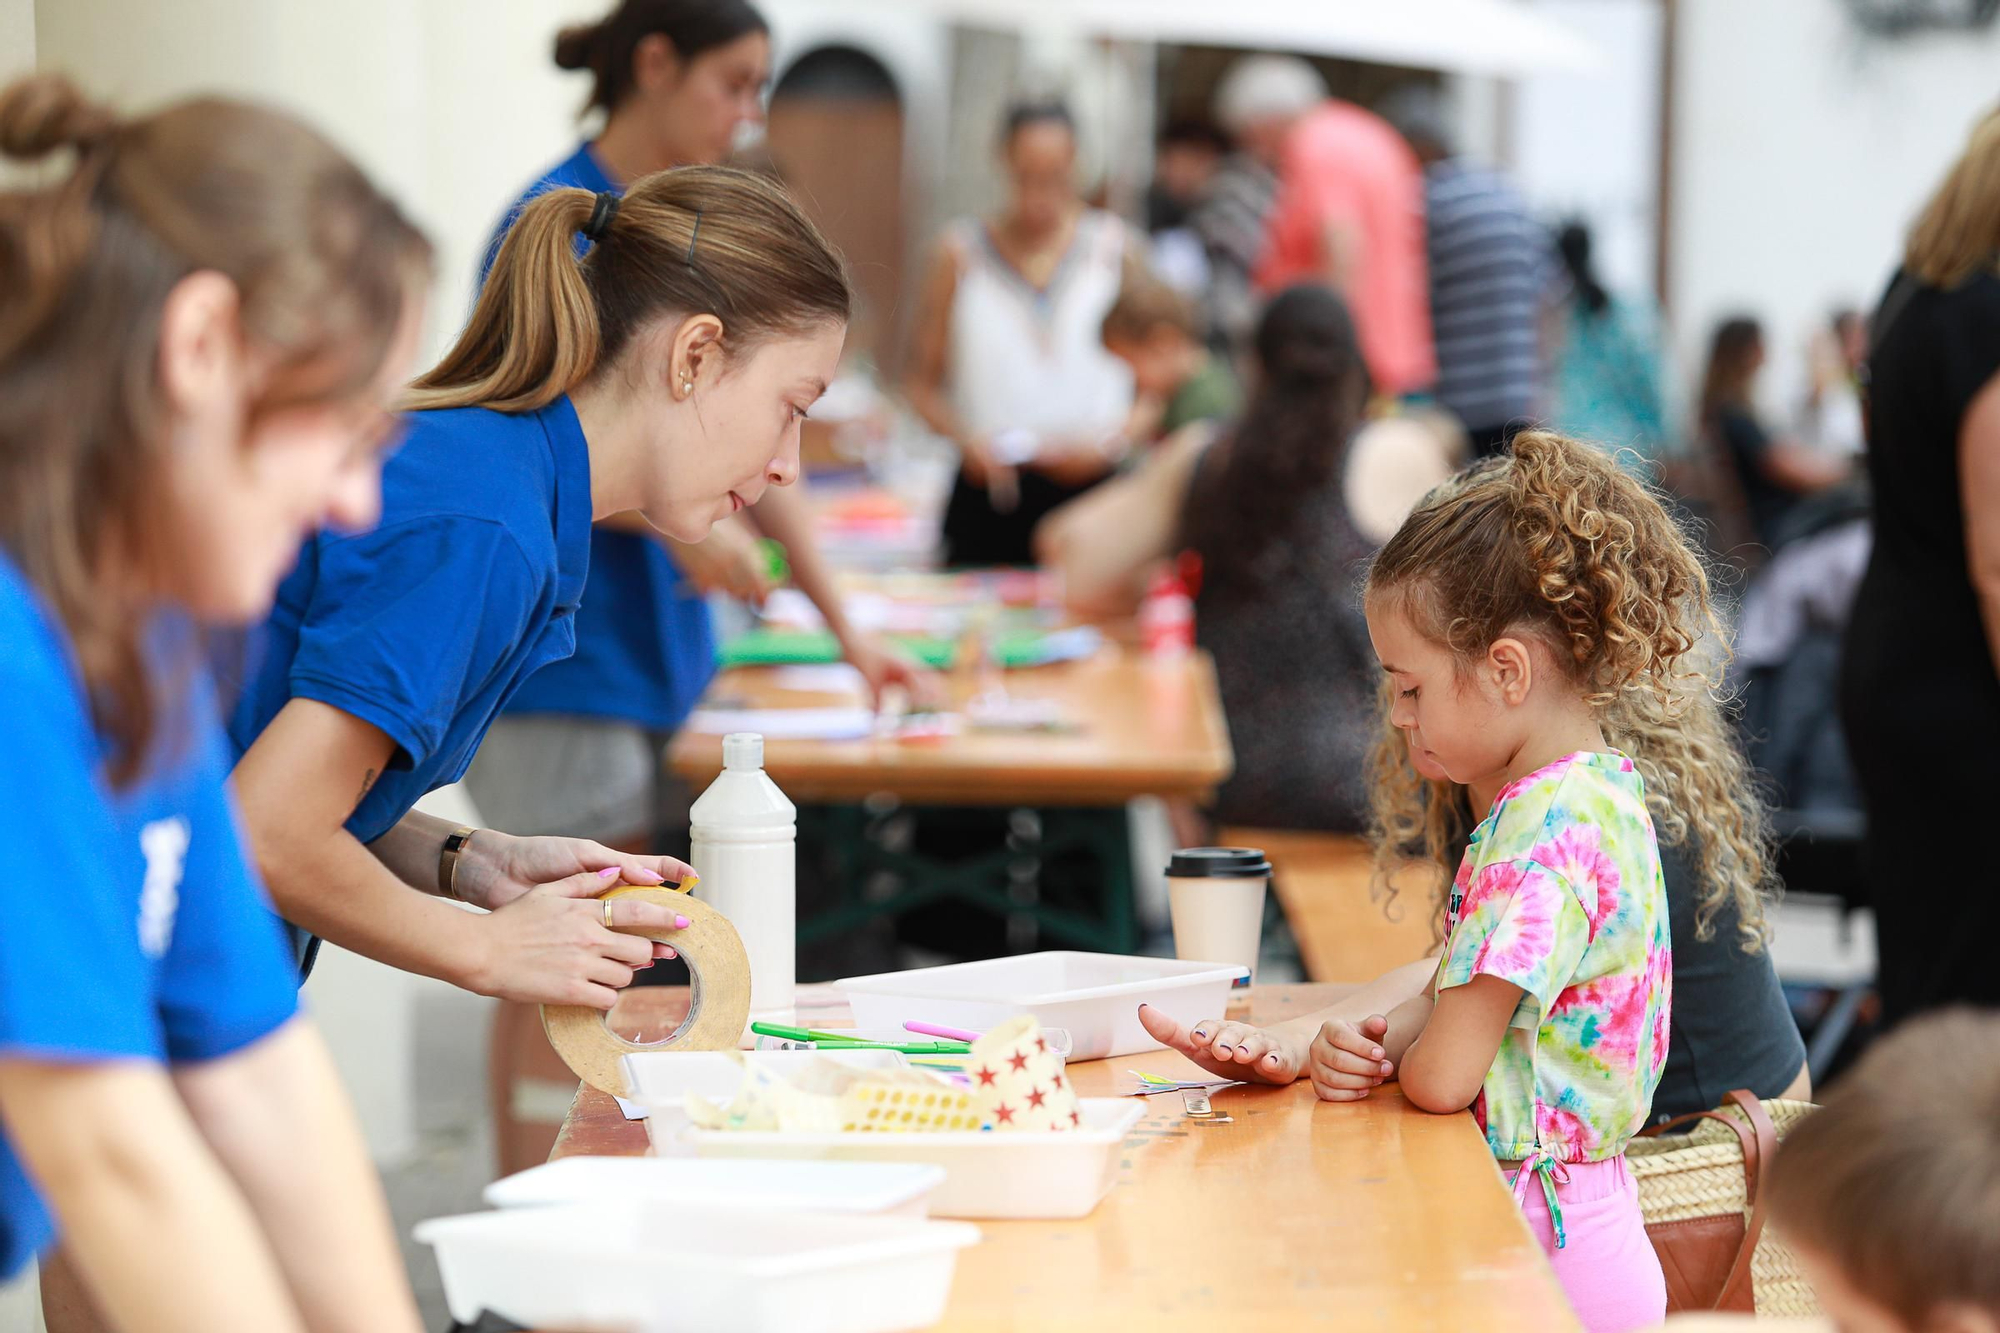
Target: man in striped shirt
<point>1492,278</point>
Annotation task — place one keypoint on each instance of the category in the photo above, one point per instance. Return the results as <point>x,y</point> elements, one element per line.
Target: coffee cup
<point>1216,896</point>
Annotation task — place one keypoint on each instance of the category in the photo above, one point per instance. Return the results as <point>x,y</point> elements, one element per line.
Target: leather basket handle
<point>1759,1141</point>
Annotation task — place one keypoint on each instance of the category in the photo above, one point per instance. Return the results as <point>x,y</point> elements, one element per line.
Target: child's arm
<point>1444,1069</point>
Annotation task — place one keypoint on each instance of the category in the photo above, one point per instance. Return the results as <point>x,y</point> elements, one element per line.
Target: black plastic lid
<point>1218,863</point>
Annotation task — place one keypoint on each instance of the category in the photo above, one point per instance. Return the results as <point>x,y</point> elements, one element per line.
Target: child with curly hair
<point>1516,606</point>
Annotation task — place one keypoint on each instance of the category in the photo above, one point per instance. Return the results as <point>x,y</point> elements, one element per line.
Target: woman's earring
<point>687,385</point>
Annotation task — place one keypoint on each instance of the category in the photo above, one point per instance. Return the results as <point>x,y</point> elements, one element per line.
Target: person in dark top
<point>1920,701</point>
<point>1770,474</point>
<point>1282,557</point>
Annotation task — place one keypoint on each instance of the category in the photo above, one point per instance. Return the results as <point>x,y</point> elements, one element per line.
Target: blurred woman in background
<point>580,749</point>
<point>202,325</point>
<point>1608,384</point>
<point>1920,700</point>
<point>1770,474</point>
<point>1285,515</point>
<point>1008,362</point>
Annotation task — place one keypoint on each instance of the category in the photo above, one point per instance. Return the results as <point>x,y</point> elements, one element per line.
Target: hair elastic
<point>693,236</point>
<point>601,214</point>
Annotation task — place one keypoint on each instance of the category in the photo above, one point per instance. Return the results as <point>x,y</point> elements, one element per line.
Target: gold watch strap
<point>454,843</point>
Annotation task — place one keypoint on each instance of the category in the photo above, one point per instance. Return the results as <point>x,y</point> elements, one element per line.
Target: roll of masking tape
<point>719,971</point>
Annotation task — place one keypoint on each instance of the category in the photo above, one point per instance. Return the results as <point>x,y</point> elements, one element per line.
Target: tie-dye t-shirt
<point>1560,892</point>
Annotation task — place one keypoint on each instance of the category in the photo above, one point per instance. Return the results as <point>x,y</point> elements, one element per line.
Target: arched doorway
<point>836,137</point>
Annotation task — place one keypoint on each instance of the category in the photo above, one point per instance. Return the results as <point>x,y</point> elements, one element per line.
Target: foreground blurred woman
<point>200,326</point>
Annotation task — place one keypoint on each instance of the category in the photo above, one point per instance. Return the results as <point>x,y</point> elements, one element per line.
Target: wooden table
<point>1150,728</point>
<point>1299,1213</point>
<point>1147,728</point>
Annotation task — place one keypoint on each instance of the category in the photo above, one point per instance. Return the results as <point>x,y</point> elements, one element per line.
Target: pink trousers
<point>1606,1265</point>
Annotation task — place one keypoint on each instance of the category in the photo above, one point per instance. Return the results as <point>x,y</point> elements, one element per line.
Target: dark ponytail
<point>606,47</point>
<point>1279,465</point>
<point>1573,245</point>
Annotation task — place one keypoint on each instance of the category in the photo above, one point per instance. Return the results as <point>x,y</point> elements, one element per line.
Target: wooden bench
<point>1345,933</point>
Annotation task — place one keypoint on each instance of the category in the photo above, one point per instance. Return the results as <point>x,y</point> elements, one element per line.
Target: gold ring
<point>607,915</point>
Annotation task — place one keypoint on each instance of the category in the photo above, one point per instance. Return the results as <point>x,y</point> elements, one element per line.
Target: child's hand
<point>1346,1059</point>
<point>1230,1050</point>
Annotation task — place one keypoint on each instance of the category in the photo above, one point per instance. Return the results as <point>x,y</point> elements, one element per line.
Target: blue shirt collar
<point>590,172</point>
<point>571,455</point>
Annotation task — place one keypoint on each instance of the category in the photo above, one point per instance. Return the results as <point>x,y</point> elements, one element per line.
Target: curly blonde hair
<point>1558,541</point>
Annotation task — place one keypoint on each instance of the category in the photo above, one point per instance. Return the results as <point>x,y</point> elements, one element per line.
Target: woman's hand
<point>1231,1050</point>
<point>1346,1060</point>
<point>1076,462</point>
<point>881,666</point>
<point>550,945</point>
<point>495,868</point>
<point>730,560</point>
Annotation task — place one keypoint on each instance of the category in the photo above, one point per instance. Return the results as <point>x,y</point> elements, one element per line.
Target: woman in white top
<point>1009,364</point>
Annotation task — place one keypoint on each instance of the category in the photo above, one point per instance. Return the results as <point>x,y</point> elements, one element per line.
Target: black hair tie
<point>601,214</point>
<point>693,236</point>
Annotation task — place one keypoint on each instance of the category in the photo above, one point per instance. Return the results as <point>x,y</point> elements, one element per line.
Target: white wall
<point>1587,144</point>
<point>17,37</point>
<point>453,105</point>
<point>1801,152</point>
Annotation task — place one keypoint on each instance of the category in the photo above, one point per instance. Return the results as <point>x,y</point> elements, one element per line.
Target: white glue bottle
<point>745,836</point>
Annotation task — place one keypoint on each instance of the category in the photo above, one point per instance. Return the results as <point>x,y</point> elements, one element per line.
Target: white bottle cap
<point>743,751</point>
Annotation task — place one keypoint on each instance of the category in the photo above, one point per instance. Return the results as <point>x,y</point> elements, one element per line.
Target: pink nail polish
<point>681,923</point>
<point>645,876</point>
<point>607,872</point>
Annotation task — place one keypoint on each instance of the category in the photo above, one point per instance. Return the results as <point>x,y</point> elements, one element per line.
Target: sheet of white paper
<point>788,724</point>
<point>829,678</point>
<point>632,1110</point>
<point>788,608</point>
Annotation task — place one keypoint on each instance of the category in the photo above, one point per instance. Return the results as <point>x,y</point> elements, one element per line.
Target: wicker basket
<point>1700,1174</point>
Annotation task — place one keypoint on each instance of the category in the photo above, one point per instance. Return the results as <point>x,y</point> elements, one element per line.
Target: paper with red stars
<point>1019,1083</point>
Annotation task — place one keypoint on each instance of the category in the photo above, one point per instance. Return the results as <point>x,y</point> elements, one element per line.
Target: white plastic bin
<point>661,1080</point>
<point>655,1268</point>
<point>1096,996</point>
<point>901,1189</point>
<point>988,1174</point>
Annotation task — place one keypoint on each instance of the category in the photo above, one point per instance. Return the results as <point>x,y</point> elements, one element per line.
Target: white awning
<point>1500,37</point>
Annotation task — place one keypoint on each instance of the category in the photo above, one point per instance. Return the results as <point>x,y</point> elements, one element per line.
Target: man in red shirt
<point>1349,213</point>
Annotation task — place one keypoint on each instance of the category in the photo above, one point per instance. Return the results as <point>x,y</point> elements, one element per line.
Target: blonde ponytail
<point>533,335</point>
<point>695,240</point>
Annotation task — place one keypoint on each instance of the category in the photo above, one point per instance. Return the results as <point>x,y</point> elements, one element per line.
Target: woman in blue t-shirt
<point>201,325</point>
<point>664,373</point>
<point>578,750</point>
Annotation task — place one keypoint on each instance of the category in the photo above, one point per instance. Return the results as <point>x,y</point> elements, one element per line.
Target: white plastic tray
<point>661,1080</point>
<point>987,1174</point>
<point>660,1268</point>
<point>1096,996</point>
<point>897,1188</point>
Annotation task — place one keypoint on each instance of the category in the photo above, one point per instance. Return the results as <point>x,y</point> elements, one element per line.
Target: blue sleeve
<point>227,979</point>
<point>407,622</point>
<point>492,251</point>
<point>74,983</point>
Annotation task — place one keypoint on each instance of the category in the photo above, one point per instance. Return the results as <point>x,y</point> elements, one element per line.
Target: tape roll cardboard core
<point>719,977</point>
